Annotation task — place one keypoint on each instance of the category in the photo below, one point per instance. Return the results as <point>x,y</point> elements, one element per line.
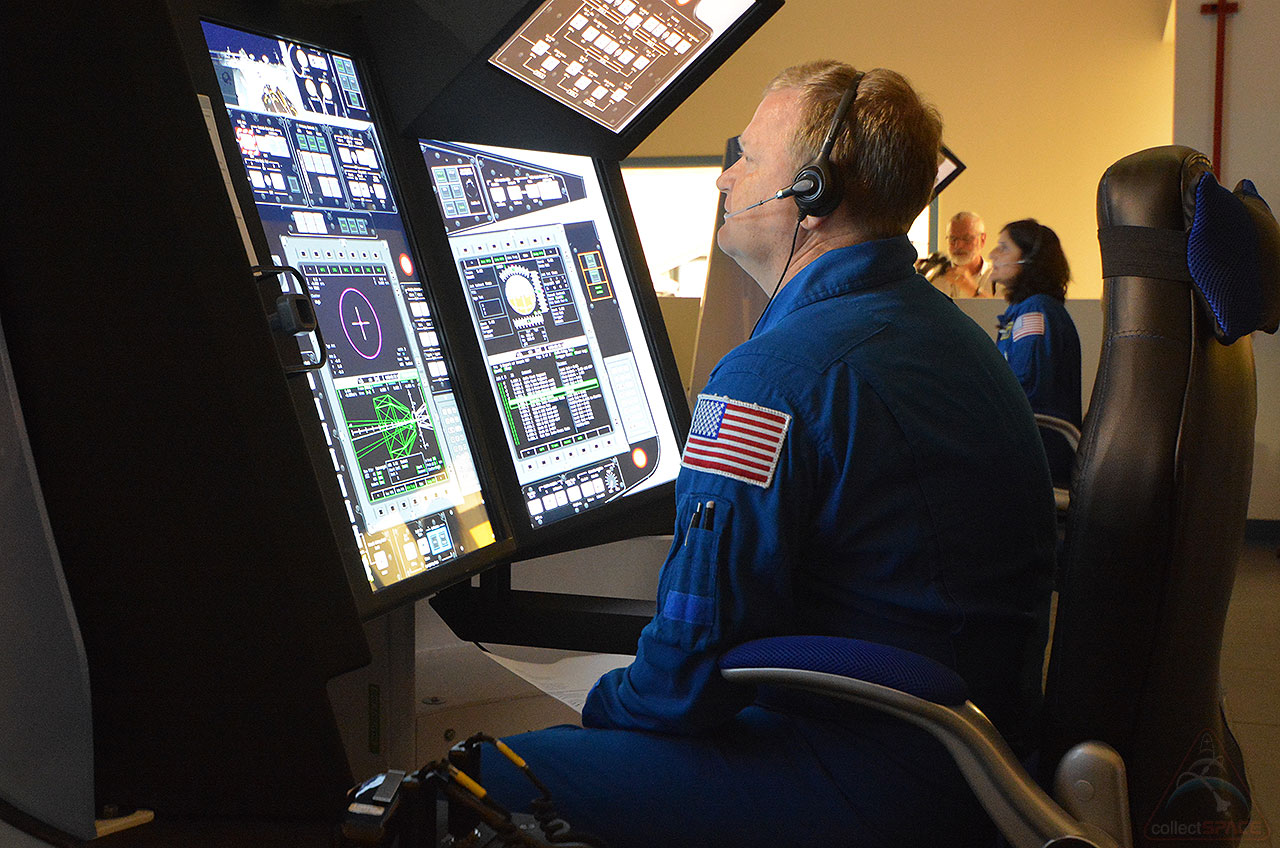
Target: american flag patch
<point>735,439</point>
<point>1030,324</point>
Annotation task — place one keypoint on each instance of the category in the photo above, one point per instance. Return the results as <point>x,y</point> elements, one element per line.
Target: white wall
<point>1250,149</point>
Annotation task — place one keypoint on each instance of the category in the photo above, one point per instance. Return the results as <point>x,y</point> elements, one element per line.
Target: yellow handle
<point>470,785</point>
<point>509,754</point>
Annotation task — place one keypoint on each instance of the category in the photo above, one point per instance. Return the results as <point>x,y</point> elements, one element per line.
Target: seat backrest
<point>1160,496</point>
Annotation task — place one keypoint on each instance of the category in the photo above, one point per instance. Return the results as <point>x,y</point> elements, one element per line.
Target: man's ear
<point>812,222</point>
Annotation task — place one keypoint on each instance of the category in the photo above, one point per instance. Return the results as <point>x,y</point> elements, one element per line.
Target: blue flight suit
<point>1039,339</point>
<point>859,521</point>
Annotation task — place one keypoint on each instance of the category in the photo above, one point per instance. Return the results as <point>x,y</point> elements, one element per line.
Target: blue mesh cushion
<point>1264,224</point>
<point>1225,260</point>
<point>868,661</point>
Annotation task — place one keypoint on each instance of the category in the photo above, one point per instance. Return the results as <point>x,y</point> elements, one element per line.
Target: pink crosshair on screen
<point>360,323</point>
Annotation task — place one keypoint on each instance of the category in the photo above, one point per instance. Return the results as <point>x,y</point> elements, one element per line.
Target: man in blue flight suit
<point>828,487</point>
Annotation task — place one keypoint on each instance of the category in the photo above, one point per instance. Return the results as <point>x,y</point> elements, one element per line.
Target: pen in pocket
<point>693,522</point>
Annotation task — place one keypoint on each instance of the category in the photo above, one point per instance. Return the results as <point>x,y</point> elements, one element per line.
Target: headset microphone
<point>798,187</point>
<point>816,186</point>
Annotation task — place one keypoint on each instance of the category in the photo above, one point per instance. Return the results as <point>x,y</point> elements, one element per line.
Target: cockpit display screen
<point>384,398</point>
<point>557,318</point>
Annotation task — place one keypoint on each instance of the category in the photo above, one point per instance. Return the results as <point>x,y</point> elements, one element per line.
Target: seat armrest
<point>934,698</point>
<point>1091,784</point>
<point>1068,430</point>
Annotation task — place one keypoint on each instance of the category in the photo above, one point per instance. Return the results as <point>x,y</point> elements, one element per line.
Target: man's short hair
<point>973,217</point>
<point>886,154</point>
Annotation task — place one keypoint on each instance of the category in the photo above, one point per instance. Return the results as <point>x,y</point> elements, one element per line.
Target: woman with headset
<point>1036,334</point>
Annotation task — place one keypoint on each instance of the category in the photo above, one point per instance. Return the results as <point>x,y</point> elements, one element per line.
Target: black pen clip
<point>693,522</point>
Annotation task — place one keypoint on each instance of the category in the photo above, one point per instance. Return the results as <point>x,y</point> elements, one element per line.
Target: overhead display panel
<point>385,399</point>
<point>608,59</point>
<point>556,315</point>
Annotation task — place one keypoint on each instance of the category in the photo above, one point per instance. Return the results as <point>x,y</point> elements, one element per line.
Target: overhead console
<point>608,60</point>
<point>591,77</point>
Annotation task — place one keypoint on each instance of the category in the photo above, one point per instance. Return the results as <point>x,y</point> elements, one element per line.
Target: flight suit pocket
<point>688,594</point>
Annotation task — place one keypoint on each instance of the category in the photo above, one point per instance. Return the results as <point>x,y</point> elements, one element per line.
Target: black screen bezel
<point>369,603</point>
<point>647,512</point>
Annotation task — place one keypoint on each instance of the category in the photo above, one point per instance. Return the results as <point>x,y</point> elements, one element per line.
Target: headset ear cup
<point>824,197</point>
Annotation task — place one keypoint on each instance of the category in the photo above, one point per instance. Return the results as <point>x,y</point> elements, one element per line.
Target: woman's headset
<point>1035,246</point>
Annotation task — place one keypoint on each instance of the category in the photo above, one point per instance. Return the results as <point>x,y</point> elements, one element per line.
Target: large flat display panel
<point>556,314</point>
<point>395,435</point>
<point>608,59</point>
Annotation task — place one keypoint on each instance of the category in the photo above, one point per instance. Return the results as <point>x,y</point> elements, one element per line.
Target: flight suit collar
<point>839,272</point>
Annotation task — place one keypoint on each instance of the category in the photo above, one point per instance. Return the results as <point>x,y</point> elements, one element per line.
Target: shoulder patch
<point>1029,324</point>
<point>735,439</point>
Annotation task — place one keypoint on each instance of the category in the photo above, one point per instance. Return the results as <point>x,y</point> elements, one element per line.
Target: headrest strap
<point>1144,252</point>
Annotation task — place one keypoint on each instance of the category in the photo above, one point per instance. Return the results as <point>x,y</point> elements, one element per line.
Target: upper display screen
<point>556,315</point>
<point>389,413</point>
<point>608,59</point>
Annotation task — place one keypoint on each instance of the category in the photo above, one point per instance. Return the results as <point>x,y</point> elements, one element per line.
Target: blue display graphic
<point>301,120</point>
<point>476,187</point>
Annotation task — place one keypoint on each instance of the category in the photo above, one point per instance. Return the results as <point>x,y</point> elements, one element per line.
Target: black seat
<point>1132,720</point>
<point>1161,490</point>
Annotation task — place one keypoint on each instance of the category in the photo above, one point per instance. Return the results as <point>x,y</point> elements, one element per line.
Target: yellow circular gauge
<point>520,293</point>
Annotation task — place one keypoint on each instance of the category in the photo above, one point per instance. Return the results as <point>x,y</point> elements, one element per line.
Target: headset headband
<point>816,187</point>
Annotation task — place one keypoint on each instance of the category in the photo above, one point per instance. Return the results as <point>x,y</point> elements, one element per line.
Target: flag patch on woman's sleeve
<point>1030,324</point>
<point>735,439</point>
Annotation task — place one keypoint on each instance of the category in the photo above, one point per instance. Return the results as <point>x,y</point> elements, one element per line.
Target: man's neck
<point>815,243</point>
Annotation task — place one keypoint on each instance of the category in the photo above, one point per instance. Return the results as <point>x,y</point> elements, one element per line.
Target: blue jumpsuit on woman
<point>843,446</point>
<point>1039,339</point>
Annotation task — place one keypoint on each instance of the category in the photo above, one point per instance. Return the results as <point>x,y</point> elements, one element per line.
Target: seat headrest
<point>1268,230</point>
<point>1228,246</point>
<point>1231,263</point>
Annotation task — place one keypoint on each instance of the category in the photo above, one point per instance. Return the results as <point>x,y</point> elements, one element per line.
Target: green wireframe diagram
<point>394,427</point>
<point>393,436</point>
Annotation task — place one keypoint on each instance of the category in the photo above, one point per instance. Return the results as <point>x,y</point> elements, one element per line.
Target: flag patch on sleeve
<point>735,439</point>
<point>1030,324</point>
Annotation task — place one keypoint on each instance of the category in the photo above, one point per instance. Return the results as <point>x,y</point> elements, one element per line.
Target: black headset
<point>817,186</point>
<point>1035,245</point>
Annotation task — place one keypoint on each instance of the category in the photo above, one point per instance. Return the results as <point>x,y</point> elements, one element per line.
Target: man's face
<point>760,239</point>
<point>964,241</point>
